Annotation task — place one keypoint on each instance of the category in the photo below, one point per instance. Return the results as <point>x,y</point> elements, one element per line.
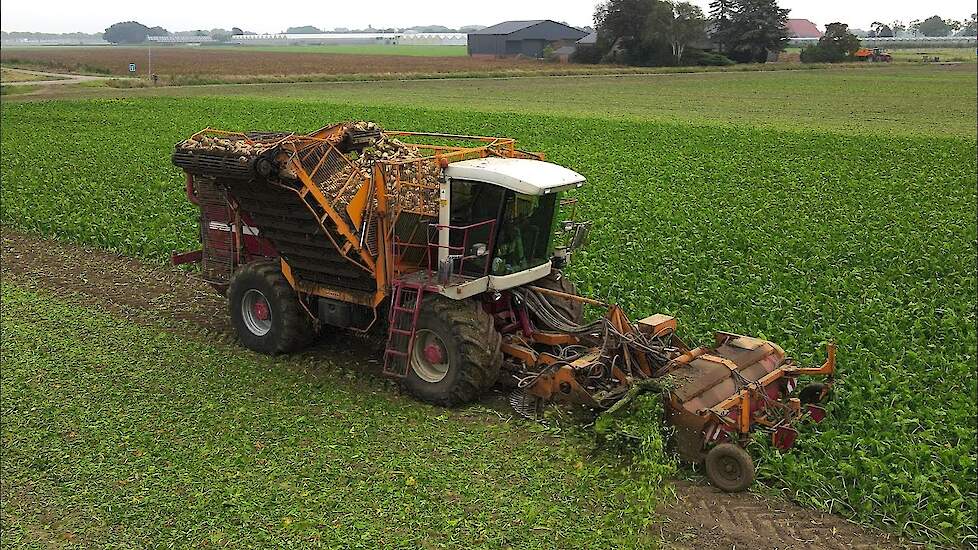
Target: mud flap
<point>784,437</point>
<point>816,413</point>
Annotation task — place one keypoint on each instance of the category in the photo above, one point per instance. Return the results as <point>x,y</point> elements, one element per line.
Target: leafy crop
<point>870,100</point>
<point>798,237</point>
<point>636,423</point>
<point>119,435</point>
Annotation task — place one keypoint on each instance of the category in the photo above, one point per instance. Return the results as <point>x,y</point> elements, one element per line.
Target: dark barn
<point>526,38</point>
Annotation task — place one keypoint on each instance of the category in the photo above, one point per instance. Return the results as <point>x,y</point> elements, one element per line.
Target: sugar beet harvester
<point>448,245</point>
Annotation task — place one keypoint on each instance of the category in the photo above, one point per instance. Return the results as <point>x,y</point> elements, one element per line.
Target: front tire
<point>456,354</point>
<point>265,310</point>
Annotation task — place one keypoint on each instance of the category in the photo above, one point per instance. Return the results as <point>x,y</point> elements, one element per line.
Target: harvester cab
<point>449,244</point>
<point>496,224</point>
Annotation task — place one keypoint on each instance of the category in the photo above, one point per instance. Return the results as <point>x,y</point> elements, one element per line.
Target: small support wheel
<point>813,393</point>
<point>729,468</point>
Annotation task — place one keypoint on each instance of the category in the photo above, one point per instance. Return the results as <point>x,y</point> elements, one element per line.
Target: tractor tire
<point>456,355</point>
<point>571,309</point>
<point>729,467</point>
<point>813,394</point>
<point>265,310</point>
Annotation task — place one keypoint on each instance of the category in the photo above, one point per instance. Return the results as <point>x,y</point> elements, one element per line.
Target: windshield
<point>523,240</point>
<point>523,226</point>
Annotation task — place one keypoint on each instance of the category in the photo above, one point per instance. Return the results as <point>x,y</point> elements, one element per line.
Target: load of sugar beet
<point>338,158</point>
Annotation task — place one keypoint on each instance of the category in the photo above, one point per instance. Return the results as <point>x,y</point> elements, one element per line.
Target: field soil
<point>700,517</point>
<point>27,76</point>
<point>227,62</point>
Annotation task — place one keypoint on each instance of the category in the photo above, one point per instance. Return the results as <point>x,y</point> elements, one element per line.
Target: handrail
<point>434,245</point>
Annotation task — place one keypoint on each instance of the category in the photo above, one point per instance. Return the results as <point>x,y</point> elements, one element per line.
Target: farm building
<point>526,38</point>
<point>564,53</point>
<point>803,28</point>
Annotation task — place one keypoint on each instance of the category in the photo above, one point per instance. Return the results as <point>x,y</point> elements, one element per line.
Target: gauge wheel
<point>456,354</point>
<point>265,310</point>
<point>729,467</point>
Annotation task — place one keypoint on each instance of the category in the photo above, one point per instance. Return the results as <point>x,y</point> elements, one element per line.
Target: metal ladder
<point>403,323</point>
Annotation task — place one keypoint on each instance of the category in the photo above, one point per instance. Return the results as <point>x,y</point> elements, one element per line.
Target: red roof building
<point>803,28</point>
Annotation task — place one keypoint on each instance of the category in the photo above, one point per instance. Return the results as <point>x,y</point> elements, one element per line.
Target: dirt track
<point>702,518</point>
<point>168,62</point>
<point>53,78</point>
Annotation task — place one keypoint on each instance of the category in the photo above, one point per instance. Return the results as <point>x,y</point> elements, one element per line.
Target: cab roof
<point>526,176</point>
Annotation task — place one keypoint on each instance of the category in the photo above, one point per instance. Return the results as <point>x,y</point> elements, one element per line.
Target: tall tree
<point>220,35</point>
<point>678,24</point>
<point>131,32</point>
<point>881,30</point>
<point>756,28</point>
<point>970,27</point>
<point>934,26</point>
<point>304,29</point>
<point>621,25</point>
<point>837,44</point>
<point>720,13</point>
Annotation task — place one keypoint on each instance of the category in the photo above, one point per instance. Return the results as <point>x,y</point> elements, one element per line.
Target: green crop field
<point>954,55</point>
<point>943,100</point>
<point>904,100</point>
<point>862,232</point>
<point>129,436</point>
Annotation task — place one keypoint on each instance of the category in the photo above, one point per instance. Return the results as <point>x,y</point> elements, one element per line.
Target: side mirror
<point>579,239</point>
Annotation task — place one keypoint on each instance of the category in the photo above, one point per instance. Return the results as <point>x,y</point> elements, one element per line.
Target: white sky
<point>262,16</point>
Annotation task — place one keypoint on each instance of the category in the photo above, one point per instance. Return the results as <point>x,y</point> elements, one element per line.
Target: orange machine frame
<point>377,195</point>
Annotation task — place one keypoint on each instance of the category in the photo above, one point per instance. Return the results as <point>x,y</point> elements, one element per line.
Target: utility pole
<point>150,55</point>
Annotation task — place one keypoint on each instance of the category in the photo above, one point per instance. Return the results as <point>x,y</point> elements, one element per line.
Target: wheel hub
<point>261,310</point>
<point>433,353</point>
<point>730,468</point>
<point>256,313</point>
<point>429,358</point>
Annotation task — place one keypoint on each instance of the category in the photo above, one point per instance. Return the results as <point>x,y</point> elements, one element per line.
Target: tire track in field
<point>701,517</point>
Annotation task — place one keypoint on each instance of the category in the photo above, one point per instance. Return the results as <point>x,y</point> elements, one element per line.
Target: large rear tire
<point>573,310</point>
<point>265,310</point>
<point>456,355</point>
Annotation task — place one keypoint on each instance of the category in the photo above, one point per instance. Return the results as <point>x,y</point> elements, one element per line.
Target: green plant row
<point>798,237</point>
<point>118,435</point>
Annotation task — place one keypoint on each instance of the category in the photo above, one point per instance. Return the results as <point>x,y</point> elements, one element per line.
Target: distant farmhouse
<point>803,28</point>
<point>526,38</point>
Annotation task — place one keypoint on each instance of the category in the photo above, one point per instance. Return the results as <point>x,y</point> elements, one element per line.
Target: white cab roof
<point>527,176</point>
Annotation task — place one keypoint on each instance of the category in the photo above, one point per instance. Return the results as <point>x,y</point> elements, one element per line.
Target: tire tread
<point>479,348</point>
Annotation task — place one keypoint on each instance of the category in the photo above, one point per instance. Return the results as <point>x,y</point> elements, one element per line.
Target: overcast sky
<point>262,16</point>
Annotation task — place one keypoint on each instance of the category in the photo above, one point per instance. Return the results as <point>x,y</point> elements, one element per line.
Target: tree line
<point>934,25</point>
<point>840,44</point>
<point>676,32</point>
<point>667,32</point>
